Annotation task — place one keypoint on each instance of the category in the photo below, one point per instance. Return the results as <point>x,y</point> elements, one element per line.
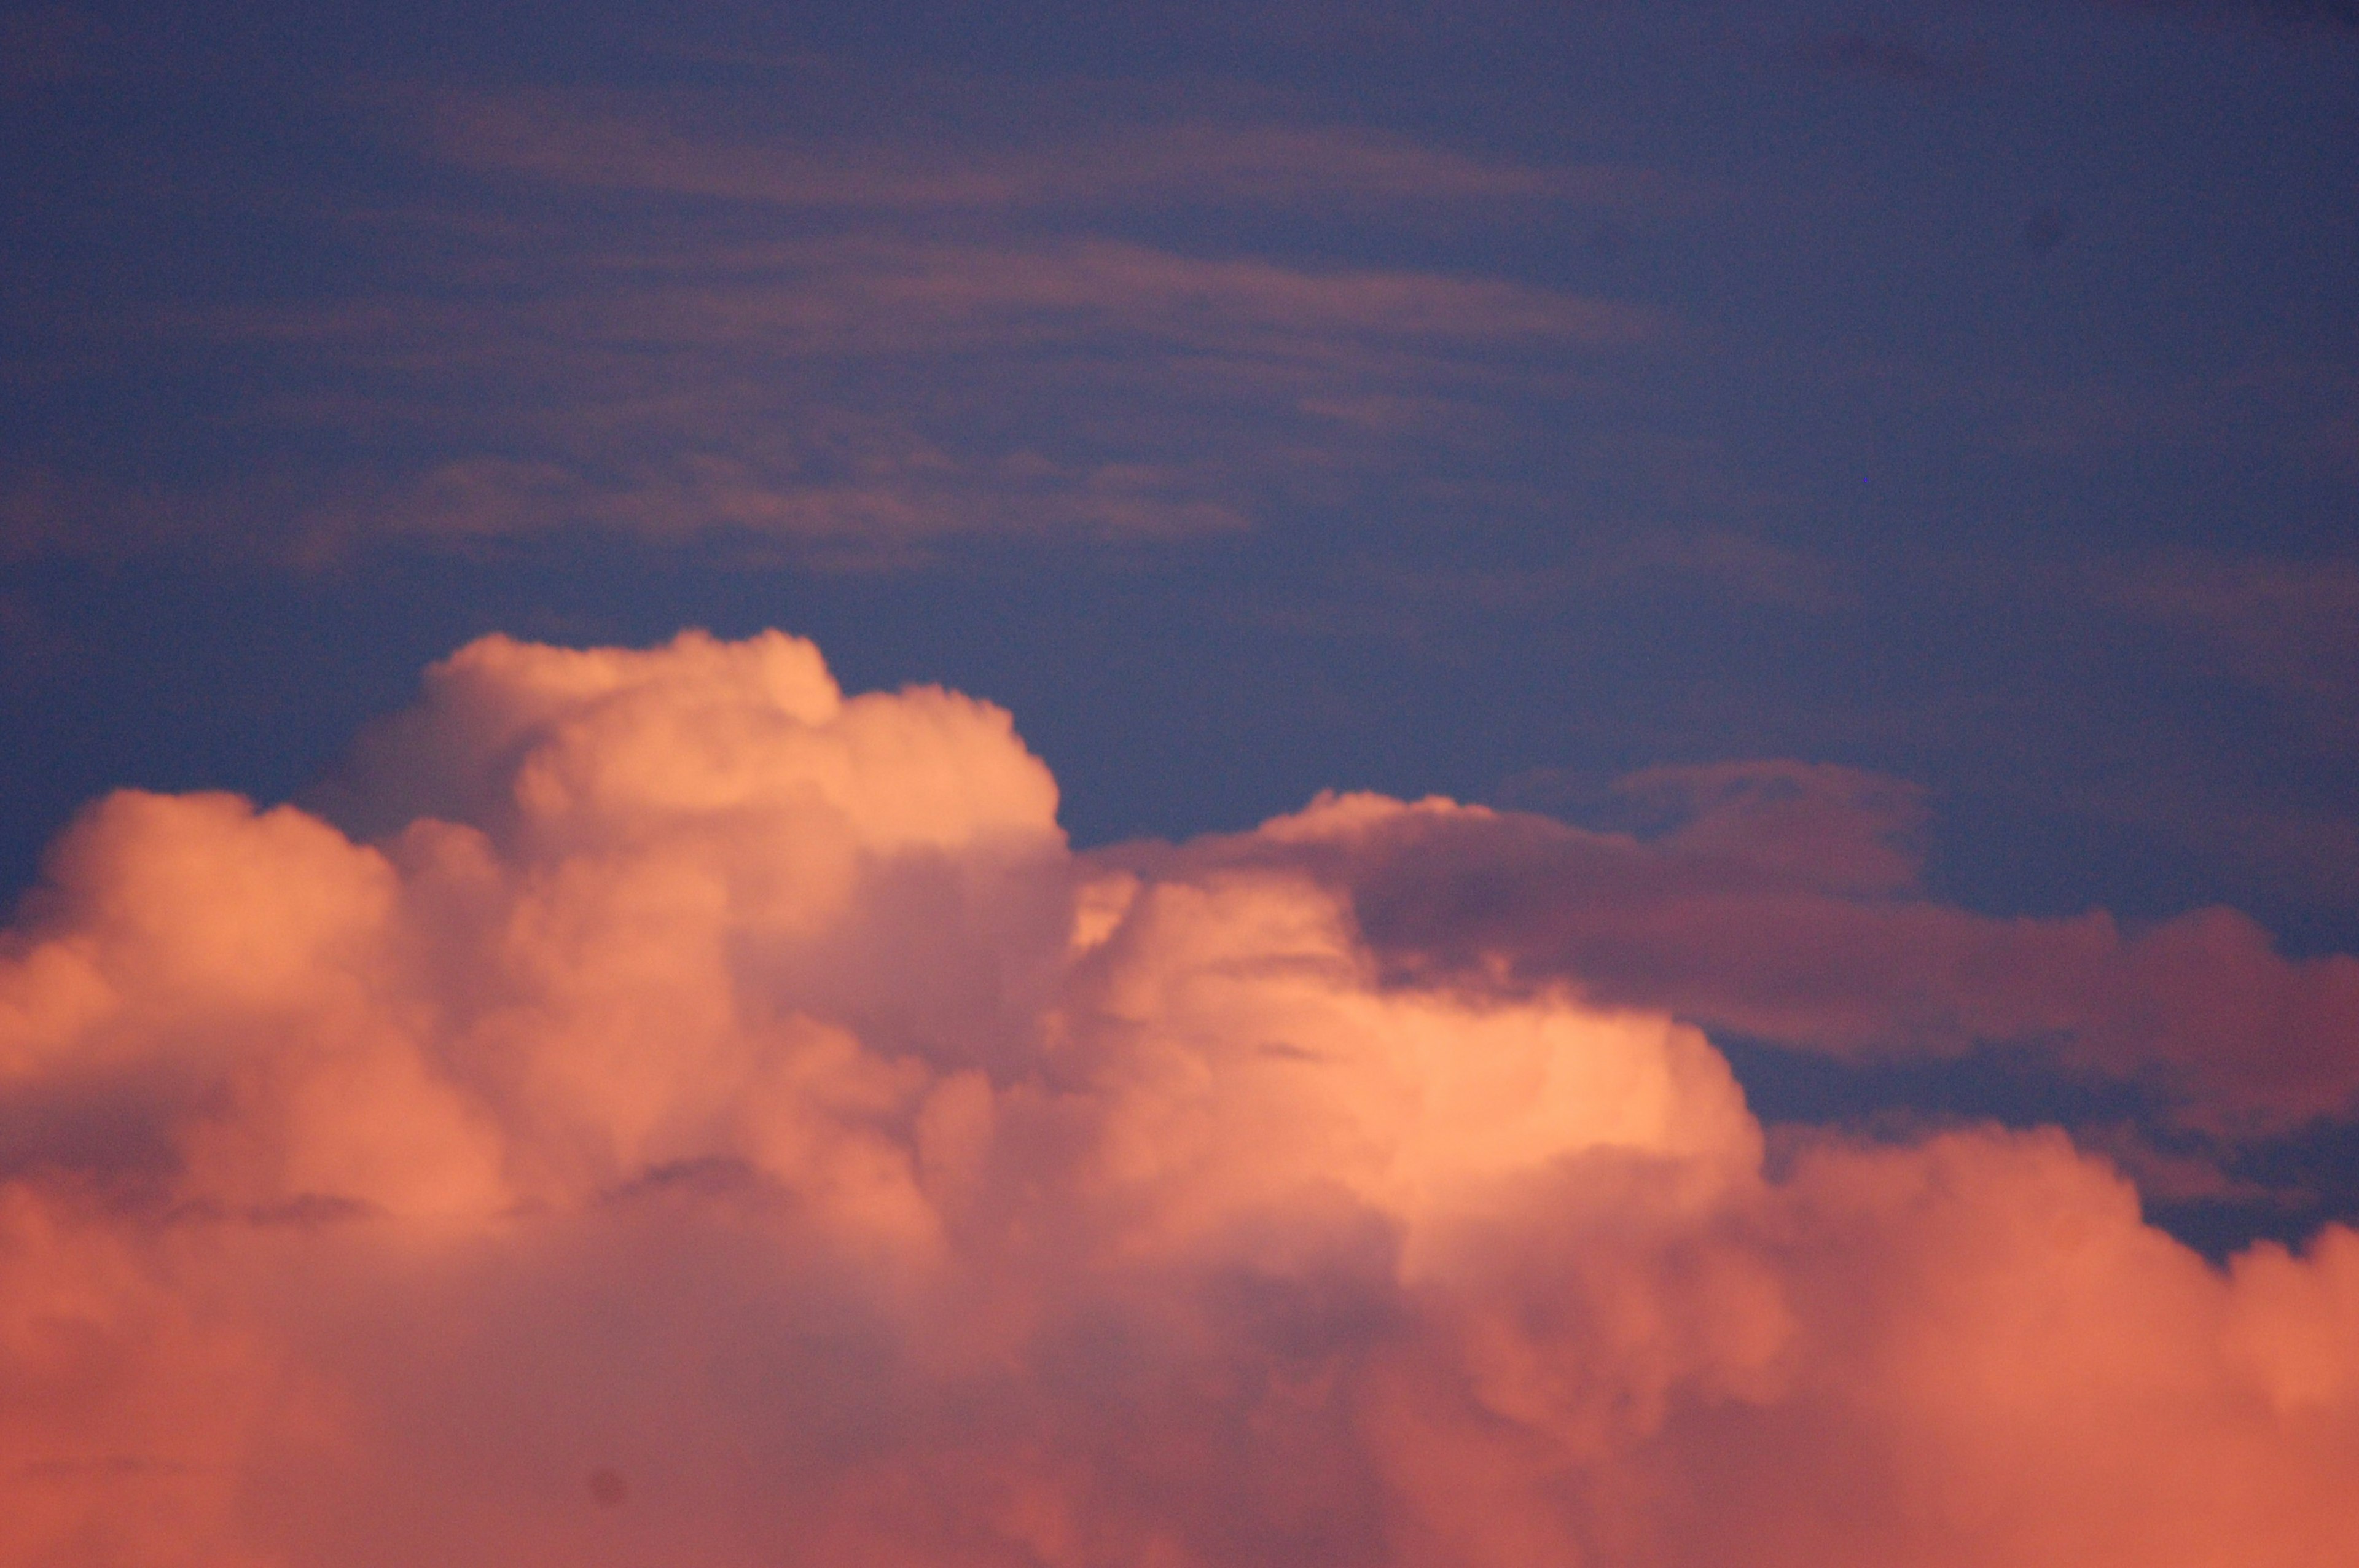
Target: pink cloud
<point>713,1119</point>
<point>638,146</point>
<point>2287,624</point>
<point>882,296</point>
<point>827,349</point>
<point>675,398</point>
<point>1783,912</point>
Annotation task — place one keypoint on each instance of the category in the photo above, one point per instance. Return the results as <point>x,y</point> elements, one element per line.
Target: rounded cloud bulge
<point>688,1116</point>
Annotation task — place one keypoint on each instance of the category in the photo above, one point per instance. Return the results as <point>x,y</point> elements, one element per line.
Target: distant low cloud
<point>709,1116</point>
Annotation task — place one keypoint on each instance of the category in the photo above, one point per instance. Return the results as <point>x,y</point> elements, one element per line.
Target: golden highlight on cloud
<point>711,1120</point>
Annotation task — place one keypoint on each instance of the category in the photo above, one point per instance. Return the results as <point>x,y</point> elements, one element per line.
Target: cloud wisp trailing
<point>1786,907</point>
<point>617,145</point>
<point>709,1119</point>
<point>2289,626</point>
<point>665,318</point>
<point>714,401</point>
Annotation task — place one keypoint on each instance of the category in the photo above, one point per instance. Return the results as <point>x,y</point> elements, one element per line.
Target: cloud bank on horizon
<point>707,1119</point>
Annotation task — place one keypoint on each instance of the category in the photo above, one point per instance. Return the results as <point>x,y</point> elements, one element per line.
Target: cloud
<point>654,147</point>
<point>706,1118</point>
<point>1783,910</point>
<point>872,295</point>
<point>2287,624</point>
<point>859,399</point>
<point>683,318</point>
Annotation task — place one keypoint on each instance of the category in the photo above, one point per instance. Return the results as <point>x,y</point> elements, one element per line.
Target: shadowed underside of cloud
<point>713,1120</point>
<point>1784,907</point>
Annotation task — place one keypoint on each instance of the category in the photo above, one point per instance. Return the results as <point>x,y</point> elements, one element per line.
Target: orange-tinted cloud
<point>711,1119</point>
<point>1783,909</point>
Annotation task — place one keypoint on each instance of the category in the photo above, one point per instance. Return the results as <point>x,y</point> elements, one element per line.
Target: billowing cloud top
<point>713,1120</point>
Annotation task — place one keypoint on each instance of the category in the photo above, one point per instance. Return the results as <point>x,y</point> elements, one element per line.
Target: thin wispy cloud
<point>2307,603</point>
<point>857,393</point>
<point>974,343</point>
<point>622,147</point>
<point>2291,626</point>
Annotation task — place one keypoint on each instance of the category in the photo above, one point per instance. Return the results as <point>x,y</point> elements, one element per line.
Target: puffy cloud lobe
<point>709,1120</point>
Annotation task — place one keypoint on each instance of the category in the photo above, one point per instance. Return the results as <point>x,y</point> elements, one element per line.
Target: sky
<point>944,784</point>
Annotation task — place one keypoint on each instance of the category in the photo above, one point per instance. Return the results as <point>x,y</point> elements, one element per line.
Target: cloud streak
<point>865,396</point>
<point>2289,625</point>
<point>704,1117</point>
<point>618,147</point>
<point>649,317</point>
<point>855,395</point>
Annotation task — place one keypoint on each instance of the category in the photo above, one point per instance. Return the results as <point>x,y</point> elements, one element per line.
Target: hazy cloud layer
<point>850,295</point>
<point>620,145</point>
<point>619,314</point>
<point>872,395</point>
<point>713,1119</point>
<point>2291,626</point>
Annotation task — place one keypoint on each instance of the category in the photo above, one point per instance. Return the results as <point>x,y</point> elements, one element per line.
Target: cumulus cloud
<point>689,1115</point>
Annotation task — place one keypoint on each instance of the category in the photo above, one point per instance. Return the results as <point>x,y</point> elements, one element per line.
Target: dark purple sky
<point>1491,400</point>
